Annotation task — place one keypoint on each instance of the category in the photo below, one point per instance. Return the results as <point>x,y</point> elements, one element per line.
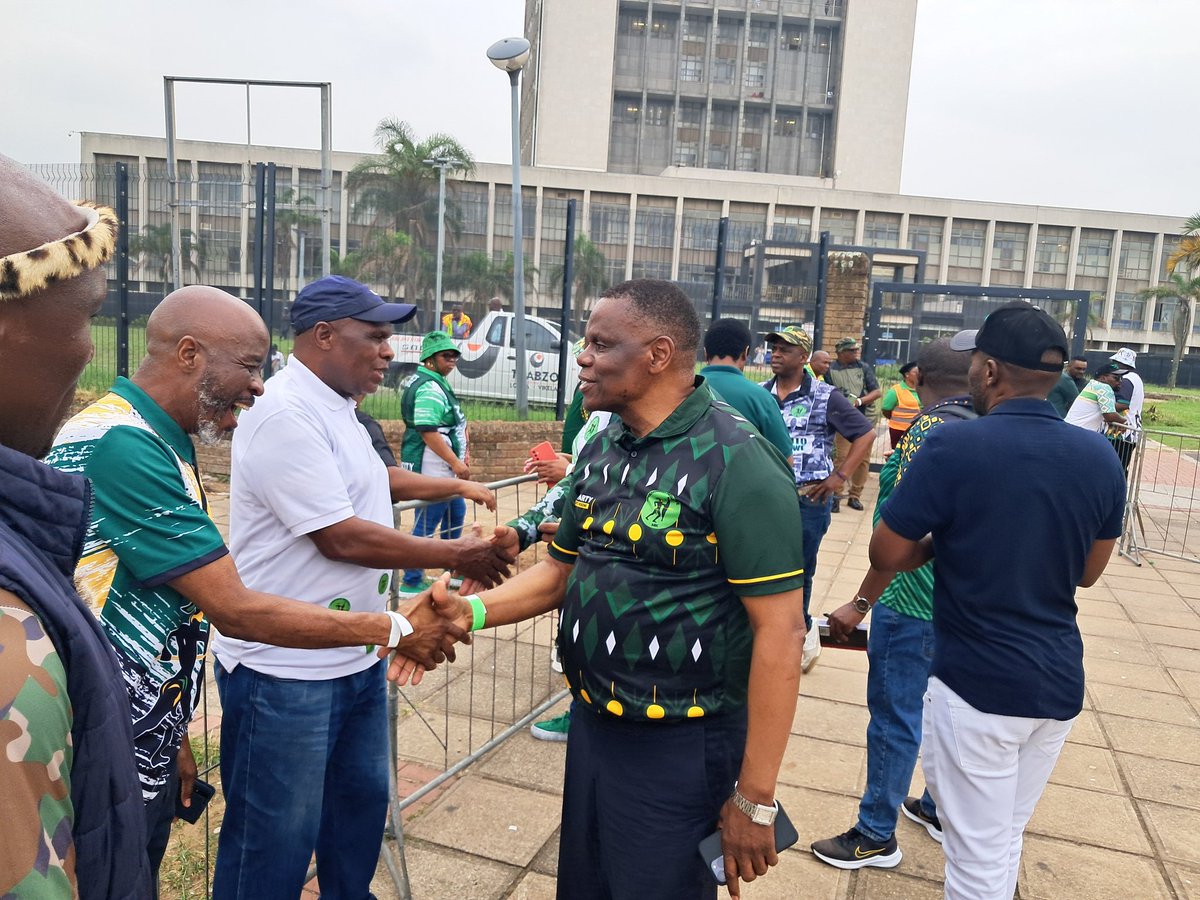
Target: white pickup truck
<point>487,369</point>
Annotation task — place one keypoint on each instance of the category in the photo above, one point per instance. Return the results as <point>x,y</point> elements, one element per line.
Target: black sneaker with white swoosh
<point>854,850</point>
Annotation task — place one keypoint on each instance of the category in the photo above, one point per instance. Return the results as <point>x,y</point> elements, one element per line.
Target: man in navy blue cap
<point>304,732</point>
<point>1006,681</point>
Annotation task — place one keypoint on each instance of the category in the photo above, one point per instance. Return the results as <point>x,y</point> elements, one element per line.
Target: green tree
<point>1187,254</point>
<point>386,258</point>
<point>152,248</point>
<point>1182,292</point>
<point>589,278</point>
<point>475,276</point>
<point>349,265</point>
<point>396,189</point>
<point>291,213</point>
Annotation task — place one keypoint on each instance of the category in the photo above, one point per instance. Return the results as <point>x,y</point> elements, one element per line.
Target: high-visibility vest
<point>908,407</point>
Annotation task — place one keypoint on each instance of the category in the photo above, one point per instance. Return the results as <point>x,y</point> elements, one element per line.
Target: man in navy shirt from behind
<point>1007,677</point>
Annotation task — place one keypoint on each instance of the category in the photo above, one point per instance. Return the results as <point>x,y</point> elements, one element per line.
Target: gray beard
<point>208,432</point>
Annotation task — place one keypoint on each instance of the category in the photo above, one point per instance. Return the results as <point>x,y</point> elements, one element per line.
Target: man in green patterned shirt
<point>900,647</point>
<point>678,565</point>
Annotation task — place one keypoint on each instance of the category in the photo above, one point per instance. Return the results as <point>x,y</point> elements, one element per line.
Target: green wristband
<point>478,611</point>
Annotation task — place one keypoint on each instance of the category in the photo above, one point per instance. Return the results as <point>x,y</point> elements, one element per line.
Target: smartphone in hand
<point>714,859</point>
<point>202,792</point>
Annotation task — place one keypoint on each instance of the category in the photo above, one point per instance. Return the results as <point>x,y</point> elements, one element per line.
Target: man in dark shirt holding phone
<point>681,624</point>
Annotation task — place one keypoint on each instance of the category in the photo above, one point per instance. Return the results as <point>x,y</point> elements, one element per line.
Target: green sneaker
<point>552,729</point>
<point>423,585</point>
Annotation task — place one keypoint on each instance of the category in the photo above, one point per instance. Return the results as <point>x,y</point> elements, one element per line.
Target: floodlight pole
<point>510,55</point>
<point>440,163</point>
<point>172,185</point>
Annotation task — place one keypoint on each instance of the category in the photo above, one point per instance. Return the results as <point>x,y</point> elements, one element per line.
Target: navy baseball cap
<point>335,297</point>
<point>1019,334</point>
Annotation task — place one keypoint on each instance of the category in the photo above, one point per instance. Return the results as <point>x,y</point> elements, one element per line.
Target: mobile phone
<point>857,641</point>
<point>202,792</point>
<point>543,452</point>
<point>714,859</point>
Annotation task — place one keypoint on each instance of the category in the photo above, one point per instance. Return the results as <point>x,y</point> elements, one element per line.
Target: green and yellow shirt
<point>149,526</point>
<point>666,533</point>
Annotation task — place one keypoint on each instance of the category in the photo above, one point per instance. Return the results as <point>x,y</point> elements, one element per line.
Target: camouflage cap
<point>846,343</point>
<point>793,334</point>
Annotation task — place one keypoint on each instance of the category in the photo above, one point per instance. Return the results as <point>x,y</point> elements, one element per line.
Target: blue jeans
<point>304,766</point>
<point>446,517</point>
<point>900,652</point>
<point>815,516</point>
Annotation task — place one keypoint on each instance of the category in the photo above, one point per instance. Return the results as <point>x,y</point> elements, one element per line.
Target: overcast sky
<point>1077,103</point>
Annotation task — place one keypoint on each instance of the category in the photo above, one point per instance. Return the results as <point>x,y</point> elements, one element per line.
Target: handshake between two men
<point>427,626</point>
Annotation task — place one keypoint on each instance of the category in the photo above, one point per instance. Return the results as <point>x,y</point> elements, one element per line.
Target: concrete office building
<point>813,89</point>
<point>665,226</point>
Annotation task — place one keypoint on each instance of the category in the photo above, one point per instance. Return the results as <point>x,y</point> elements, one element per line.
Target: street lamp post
<point>440,163</point>
<point>510,55</point>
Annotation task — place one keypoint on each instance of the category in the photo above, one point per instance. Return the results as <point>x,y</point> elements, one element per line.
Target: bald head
<point>45,336</point>
<point>211,316</point>
<point>204,355</point>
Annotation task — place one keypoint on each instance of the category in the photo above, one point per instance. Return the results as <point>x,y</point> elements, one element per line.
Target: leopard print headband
<point>28,272</point>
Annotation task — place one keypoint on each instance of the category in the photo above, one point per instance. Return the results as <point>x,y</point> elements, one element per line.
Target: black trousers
<point>637,800</point>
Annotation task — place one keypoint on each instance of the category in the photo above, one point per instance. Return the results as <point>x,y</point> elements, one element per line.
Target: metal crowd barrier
<point>463,710</point>
<point>1162,511</point>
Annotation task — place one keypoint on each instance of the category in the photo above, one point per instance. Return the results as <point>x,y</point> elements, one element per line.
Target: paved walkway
<point>1118,820</point>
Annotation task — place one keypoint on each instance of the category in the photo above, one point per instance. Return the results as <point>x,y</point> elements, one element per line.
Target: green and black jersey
<point>666,533</point>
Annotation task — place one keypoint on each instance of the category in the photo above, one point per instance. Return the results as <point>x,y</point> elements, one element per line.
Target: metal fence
<point>1162,514</point>
<point>498,685</point>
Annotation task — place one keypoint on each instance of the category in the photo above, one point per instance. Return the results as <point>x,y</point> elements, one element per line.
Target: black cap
<point>1019,334</point>
<point>335,297</point>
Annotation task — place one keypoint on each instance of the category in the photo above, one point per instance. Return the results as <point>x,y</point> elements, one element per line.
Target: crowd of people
<point>683,632</point>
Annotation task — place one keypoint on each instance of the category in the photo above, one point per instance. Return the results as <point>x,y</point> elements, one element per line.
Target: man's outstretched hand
<point>478,493</point>
<point>507,545</point>
<point>484,562</point>
<point>430,644</point>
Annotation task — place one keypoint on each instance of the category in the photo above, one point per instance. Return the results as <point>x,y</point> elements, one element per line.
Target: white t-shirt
<point>1137,397</point>
<point>302,462</point>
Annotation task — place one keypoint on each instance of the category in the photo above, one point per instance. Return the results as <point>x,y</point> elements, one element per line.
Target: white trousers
<point>986,773</point>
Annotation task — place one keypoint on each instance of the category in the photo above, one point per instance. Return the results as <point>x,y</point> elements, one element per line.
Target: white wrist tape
<point>401,628</point>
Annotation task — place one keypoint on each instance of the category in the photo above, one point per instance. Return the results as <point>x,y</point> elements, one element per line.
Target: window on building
<point>1129,311</point>
<point>840,223</point>
<point>1051,250</point>
<point>610,222</point>
<point>1008,246</point>
<point>881,229</point>
<point>1169,245</point>
<point>1095,253</point>
<point>691,68</point>
<point>755,76</point>
<point>925,233</point>
<point>1137,254</point>
<point>655,225</point>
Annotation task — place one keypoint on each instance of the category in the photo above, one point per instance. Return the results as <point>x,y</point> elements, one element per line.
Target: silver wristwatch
<point>861,604</point>
<point>759,814</point>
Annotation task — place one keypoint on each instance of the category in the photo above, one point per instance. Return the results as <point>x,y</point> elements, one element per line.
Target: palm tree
<point>399,191</point>
<point>290,215</point>
<point>590,277</point>
<point>1187,253</point>
<point>385,259</point>
<point>1185,292</point>
<point>476,276</point>
<point>349,265</point>
<point>153,249</point>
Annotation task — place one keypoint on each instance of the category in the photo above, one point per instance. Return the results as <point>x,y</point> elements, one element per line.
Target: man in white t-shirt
<point>1131,395</point>
<point>1096,406</point>
<point>304,732</point>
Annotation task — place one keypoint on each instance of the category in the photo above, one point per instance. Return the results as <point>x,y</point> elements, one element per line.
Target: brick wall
<point>847,292</point>
<point>497,448</point>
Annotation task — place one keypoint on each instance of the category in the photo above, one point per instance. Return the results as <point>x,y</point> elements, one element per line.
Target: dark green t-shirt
<point>752,402</point>
<point>666,533</point>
